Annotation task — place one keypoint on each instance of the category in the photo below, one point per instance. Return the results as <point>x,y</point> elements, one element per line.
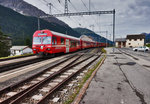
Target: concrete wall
<point>134,43</point>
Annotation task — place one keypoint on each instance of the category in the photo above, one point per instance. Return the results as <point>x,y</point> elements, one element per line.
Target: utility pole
<point>38,23</point>
<point>99,22</point>
<point>66,6</point>
<point>113,30</point>
<point>106,38</point>
<point>23,38</point>
<point>89,5</point>
<point>110,39</point>
<point>50,8</point>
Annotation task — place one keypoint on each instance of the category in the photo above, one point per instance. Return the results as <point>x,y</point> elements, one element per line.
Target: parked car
<point>142,48</point>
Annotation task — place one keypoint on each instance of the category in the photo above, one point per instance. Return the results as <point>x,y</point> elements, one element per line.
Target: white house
<point>135,40</point>
<point>20,50</point>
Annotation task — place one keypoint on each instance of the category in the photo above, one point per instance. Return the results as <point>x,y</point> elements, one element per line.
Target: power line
<point>89,10</point>
<point>84,4</point>
<point>73,6</point>
<point>76,11</point>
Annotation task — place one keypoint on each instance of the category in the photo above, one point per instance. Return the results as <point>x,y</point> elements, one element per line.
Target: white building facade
<point>135,40</point>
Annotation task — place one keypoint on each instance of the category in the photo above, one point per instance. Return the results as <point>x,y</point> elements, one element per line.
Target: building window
<point>129,39</point>
<point>135,39</point>
<point>129,43</point>
<point>140,39</point>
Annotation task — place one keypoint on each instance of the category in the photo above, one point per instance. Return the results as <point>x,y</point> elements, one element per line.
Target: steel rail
<point>6,101</point>
<point>10,87</point>
<point>65,81</point>
<point>11,58</point>
<point>34,88</point>
<point>11,66</point>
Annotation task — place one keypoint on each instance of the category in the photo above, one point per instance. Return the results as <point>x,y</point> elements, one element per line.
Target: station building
<point>120,42</point>
<point>135,40</point>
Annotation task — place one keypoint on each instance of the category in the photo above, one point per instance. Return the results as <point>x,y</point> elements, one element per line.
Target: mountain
<point>92,34</point>
<point>29,10</point>
<point>21,27</point>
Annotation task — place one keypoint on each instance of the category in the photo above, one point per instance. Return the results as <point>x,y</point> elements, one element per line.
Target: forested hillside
<point>20,27</point>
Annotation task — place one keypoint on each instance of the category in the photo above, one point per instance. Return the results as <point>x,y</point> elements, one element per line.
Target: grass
<point>103,50</point>
<point>85,78</point>
<point>15,56</point>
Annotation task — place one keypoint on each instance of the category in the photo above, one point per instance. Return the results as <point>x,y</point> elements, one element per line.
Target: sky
<point>132,16</point>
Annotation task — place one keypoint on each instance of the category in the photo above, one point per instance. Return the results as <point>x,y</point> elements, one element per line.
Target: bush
<point>148,45</point>
<point>103,50</point>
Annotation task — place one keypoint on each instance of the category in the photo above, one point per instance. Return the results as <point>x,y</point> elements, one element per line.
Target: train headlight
<point>34,49</point>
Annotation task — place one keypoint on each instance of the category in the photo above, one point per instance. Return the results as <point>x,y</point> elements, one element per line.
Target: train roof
<point>86,38</point>
<point>64,35</point>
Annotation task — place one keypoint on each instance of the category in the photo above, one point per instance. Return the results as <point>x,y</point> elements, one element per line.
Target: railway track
<point>6,59</point>
<point>7,65</point>
<point>11,66</point>
<point>28,90</point>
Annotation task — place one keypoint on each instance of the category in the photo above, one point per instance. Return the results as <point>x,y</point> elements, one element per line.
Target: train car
<point>47,42</point>
<point>87,42</point>
<point>102,44</point>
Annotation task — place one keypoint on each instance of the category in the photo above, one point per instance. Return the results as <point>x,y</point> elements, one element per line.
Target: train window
<point>37,40</point>
<point>73,43</point>
<point>47,40</point>
<point>62,41</point>
<point>54,40</point>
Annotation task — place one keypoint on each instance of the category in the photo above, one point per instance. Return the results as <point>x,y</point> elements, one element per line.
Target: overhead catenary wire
<point>84,5</point>
<point>88,9</point>
<point>77,11</point>
<point>75,21</point>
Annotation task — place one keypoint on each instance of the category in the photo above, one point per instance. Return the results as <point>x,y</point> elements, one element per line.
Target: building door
<point>67,45</point>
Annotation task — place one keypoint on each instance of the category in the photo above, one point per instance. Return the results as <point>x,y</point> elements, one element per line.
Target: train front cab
<point>42,43</point>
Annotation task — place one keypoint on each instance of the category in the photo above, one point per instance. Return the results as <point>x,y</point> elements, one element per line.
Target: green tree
<point>4,48</point>
<point>28,42</point>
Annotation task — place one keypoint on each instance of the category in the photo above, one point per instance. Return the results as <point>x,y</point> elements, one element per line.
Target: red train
<point>49,42</point>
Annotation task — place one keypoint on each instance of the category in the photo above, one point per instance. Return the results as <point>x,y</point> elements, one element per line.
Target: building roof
<point>120,40</point>
<point>18,47</point>
<point>138,36</point>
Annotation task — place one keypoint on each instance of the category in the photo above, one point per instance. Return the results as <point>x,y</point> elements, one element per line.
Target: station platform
<point>119,80</point>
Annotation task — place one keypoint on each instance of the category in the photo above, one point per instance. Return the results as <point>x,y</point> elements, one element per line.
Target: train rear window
<point>37,40</point>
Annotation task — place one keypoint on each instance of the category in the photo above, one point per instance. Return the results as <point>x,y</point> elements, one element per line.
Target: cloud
<point>132,16</point>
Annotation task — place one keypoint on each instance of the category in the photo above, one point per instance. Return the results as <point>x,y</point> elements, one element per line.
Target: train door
<point>67,45</point>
